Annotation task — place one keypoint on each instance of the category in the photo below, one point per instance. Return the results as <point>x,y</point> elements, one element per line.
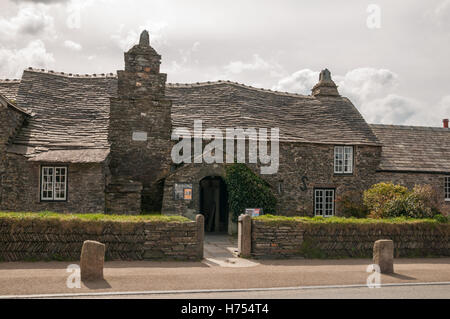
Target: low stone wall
<point>275,239</point>
<point>31,239</point>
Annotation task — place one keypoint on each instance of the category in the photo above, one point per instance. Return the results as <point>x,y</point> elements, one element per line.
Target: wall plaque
<point>183,191</point>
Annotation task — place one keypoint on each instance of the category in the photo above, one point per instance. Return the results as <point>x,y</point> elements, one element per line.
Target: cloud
<point>13,62</point>
<point>30,20</point>
<point>42,1</point>
<point>372,91</point>
<point>441,13</point>
<point>301,82</point>
<point>73,45</point>
<point>255,64</point>
<point>125,39</point>
<point>393,109</point>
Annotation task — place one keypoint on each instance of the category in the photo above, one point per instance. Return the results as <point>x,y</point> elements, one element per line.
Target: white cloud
<point>73,45</point>
<point>125,39</point>
<point>255,64</point>
<point>372,91</point>
<point>13,62</point>
<point>30,20</point>
<point>442,13</point>
<point>301,82</point>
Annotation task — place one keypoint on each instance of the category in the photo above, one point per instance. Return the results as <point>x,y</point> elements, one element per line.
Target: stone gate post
<point>244,235</point>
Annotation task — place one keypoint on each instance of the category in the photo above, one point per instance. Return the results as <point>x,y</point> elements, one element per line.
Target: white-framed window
<point>343,159</point>
<point>447,188</point>
<point>54,183</point>
<point>324,202</point>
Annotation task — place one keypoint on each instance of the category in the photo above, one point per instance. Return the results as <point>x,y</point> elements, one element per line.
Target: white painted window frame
<point>343,159</point>
<point>447,188</point>
<point>49,176</point>
<point>324,202</point>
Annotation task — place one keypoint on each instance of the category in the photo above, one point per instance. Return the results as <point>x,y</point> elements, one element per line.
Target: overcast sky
<point>398,73</point>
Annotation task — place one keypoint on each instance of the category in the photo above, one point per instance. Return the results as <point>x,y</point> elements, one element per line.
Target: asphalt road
<point>51,277</point>
<point>395,292</point>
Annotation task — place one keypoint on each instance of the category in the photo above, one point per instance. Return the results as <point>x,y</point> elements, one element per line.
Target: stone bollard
<point>383,255</point>
<point>200,219</point>
<point>244,235</point>
<point>92,260</point>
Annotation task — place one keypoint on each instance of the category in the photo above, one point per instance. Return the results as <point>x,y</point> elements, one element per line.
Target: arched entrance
<point>214,203</point>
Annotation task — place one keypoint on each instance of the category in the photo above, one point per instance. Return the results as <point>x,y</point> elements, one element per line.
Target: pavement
<point>220,270</point>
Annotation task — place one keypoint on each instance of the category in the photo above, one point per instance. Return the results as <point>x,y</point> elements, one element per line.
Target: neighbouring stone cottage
<point>102,143</point>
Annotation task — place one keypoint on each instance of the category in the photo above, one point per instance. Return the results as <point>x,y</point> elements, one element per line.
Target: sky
<point>390,58</point>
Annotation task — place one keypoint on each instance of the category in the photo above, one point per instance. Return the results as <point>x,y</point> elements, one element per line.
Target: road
<point>391,292</point>
<point>221,270</point>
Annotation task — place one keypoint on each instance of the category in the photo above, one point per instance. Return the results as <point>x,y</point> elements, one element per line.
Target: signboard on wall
<point>254,212</point>
<point>183,191</point>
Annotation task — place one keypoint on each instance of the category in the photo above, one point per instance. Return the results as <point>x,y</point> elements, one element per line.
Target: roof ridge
<point>10,80</point>
<point>199,84</point>
<point>410,127</point>
<point>73,75</point>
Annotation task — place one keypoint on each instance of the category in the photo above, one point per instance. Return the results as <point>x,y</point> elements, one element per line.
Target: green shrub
<point>388,200</point>
<point>441,218</point>
<point>429,196</point>
<point>376,197</point>
<point>350,204</point>
<point>247,190</point>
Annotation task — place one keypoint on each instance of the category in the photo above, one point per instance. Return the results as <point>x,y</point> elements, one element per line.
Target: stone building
<point>102,143</point>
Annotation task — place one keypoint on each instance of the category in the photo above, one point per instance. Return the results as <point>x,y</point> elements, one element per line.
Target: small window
<point>343,159</point>
<point>53,183</point>
<point>324,202</point>
<point>447,188</point>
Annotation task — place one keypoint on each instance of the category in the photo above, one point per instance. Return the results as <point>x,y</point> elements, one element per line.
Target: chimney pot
<point>445,121</point>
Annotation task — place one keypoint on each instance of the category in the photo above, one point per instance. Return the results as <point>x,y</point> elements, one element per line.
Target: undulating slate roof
<point>67,113</point>
<point>300,118</point>
<point>9,88</point>
<point>414,148</point>
<point>70,117</point>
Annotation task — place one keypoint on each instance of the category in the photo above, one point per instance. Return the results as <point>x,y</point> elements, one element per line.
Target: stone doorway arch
<point>214,203</point>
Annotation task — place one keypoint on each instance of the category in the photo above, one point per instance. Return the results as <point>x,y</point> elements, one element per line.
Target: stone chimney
<point>326,86</point>
<point>445,122</point>
<point>141,76</point>
<point>140,127</point>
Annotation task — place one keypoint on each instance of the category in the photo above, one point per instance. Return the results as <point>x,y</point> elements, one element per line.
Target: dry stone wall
<point>296,239</point>
<point>46,239</point>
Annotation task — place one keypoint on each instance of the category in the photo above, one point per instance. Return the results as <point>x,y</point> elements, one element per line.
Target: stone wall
<point>11,122</point>
<point>410,179</point>
<point>286,239</point>
<point>302,168</point>
<point>30,239</point>
<point>21,188</point>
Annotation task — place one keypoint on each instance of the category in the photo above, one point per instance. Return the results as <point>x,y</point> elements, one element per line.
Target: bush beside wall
<point>35,238</point>
<point>341,238</point>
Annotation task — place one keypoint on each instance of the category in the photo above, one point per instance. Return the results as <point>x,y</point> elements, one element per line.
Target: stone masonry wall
<point>296,239</point>
<point>11,122</point>
<point>302,168</point>
<point>21,188</point>
<point>411,179</point>
<point>32,239</point>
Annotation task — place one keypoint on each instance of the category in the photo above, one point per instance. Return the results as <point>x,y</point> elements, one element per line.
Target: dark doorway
<point>214,204</point>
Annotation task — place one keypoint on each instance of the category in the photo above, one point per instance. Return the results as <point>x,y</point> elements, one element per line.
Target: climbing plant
<point>247,190</point>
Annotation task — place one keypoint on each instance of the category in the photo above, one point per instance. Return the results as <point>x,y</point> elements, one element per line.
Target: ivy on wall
<point>247,190</point>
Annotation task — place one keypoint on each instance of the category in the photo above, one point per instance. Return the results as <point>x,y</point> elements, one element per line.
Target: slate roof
<point>67,113</point>
<point>9,88</point>
<point>414,148</point>
<point>300,118</point>
<point>71,113</point>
